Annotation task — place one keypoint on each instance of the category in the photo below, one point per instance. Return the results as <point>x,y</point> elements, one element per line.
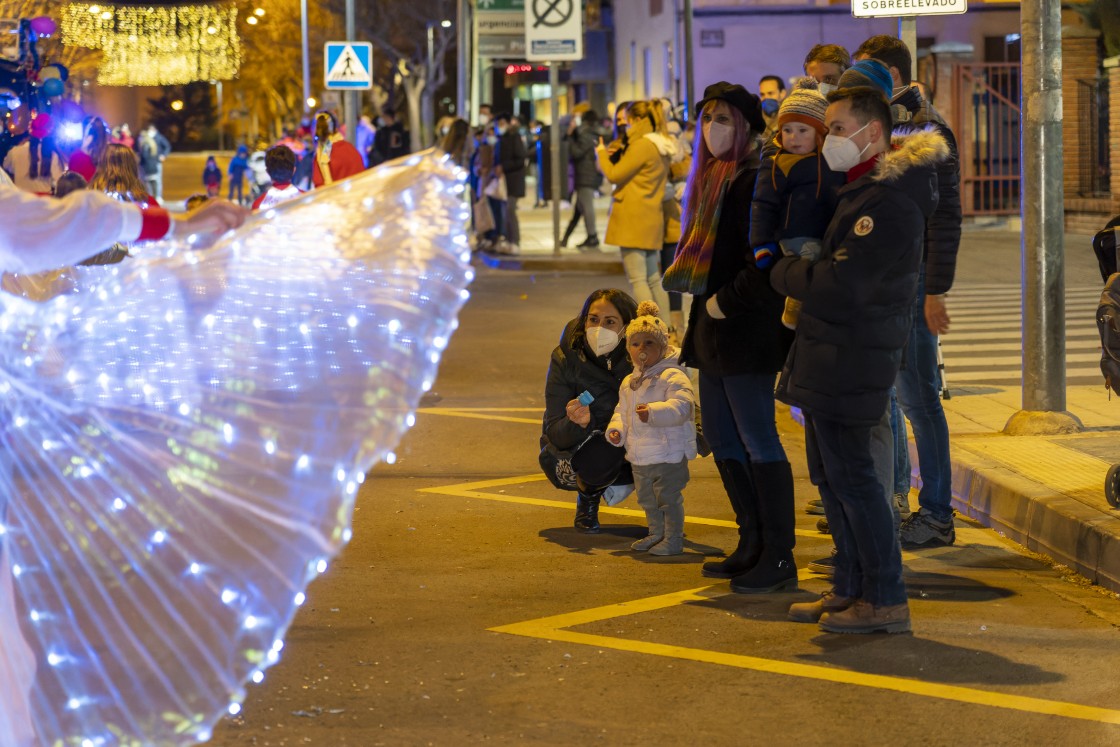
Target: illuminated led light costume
<point>184,436</point>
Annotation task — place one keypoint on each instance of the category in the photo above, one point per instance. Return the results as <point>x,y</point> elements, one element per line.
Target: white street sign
<point>553,30</point>
<point>885,8</point>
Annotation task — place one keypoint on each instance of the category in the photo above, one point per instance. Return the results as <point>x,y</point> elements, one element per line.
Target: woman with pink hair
<point>736,340</point>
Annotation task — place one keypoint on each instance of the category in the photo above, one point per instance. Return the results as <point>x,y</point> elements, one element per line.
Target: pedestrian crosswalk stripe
<point>985,340</point>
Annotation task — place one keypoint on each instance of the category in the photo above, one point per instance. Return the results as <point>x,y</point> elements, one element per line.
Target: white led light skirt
<point>184,436</point>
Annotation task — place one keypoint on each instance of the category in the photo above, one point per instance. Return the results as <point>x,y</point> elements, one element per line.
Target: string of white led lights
<point>184,436</point>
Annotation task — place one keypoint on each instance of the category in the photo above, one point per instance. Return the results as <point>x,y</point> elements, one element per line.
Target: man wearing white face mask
<point>857,307</point>
<point>825,63</point>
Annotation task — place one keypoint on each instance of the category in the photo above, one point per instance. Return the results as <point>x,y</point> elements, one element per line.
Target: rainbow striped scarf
<point>693,258</point>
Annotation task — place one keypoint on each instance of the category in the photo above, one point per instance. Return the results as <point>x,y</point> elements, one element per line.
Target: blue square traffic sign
<point>349,65</point>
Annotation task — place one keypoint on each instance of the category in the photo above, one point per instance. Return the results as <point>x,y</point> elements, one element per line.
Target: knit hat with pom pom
<point>649,321</point>
<point>805,105</point>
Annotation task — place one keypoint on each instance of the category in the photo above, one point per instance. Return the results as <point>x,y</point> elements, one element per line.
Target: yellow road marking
<point>554,628</point>
<point>474,490</point>
<point>484,413</point>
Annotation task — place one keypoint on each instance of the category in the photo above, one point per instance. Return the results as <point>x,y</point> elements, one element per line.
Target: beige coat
<point>637,218</point>
<point>678,173</point>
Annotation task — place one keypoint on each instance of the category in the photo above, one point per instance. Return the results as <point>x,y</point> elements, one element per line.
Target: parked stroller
<point>1105,245</point>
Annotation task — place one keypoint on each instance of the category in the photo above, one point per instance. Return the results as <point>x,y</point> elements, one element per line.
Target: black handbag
<point>557,464</point>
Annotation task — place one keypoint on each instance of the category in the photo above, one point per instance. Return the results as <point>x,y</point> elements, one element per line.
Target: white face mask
<point>601,340</point>
<point>719,138</point>
<point>841,153</point>
<point>826,88</point>
<point>483,120</point>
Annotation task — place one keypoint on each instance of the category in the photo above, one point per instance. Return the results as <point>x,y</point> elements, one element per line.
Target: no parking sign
<point>553,30</point>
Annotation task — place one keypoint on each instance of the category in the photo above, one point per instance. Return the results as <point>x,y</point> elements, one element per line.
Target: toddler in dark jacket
<point>795,194</point>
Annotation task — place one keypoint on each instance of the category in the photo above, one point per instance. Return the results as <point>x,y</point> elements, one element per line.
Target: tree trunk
<point>413,87</point>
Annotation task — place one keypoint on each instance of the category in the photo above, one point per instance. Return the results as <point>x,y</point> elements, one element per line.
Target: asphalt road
<point>466,610</point>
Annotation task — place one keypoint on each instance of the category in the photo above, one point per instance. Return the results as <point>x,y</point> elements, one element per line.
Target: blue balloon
<point>53,87</point>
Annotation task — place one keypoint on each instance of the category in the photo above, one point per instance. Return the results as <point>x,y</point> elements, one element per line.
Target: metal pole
<point>688,76</point>
<point>472,113</point>
<point>221,120</point>
<point>1042,196</point>
<point>462,107</point>
<point>352,97</point>
<point>908,35</point>
<point>554,146</point>
<point>427,127</point>
<point>306,54</point>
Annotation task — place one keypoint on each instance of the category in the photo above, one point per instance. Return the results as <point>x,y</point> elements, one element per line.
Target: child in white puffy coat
<point>654,421</point>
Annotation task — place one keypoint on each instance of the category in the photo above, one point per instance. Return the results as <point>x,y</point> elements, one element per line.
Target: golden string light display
<point>151,46</point>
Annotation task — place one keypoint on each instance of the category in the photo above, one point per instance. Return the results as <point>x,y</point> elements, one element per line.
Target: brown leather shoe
<point>864,617</point>
<point>810,612</point>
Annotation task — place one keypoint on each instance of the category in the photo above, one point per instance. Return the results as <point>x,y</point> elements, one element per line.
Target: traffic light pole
<point>1043,210</point>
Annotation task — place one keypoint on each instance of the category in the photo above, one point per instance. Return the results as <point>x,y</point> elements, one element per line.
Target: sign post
<point>907,12</point>
<point>554,33</point>
<point>348,67</point>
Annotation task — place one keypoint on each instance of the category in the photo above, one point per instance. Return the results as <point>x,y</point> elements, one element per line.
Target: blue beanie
<point>868,73</point>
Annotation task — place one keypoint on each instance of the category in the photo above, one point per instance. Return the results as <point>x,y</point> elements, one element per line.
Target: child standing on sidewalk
<point>654,422</point>
<point>212,178</point>
<point>795,195</point>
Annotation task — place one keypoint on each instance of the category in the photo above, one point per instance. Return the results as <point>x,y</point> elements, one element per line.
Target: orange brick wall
<point>1080,61</point>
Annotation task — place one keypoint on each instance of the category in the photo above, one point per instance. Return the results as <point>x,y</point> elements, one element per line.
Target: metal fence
<point>986,122</point>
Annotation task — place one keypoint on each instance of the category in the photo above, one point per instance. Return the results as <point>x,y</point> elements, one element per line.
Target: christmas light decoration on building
<point>149,46</point>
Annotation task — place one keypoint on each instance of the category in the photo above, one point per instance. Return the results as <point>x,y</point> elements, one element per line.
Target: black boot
<point>740,491</point>
<point>587,508</point>
<point>775,569</point>
<point>568,234</point>
<point>591,242</point>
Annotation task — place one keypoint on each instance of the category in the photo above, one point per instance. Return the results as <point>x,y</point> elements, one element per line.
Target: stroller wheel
<point>1112,486</point>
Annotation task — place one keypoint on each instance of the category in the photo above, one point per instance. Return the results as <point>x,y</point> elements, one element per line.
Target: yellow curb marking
<point>473,490</point>
<point>554,629</point>
<point>484,413</point>
<point>1045,461</point>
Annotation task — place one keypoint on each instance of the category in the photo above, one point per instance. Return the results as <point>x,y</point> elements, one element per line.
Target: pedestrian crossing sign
<point>348,65</point>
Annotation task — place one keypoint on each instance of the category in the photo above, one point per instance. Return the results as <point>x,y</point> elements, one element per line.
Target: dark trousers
<point>599,464</point>
<point>868,554</point>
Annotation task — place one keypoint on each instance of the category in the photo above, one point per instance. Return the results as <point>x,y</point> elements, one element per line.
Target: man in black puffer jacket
<point>919,381</point>
<point>857,309</point>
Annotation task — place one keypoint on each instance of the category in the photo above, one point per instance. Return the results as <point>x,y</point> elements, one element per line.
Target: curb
<point>1072,533</point>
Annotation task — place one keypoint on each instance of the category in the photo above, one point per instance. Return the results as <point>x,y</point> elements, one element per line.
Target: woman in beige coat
<point>637,220</point>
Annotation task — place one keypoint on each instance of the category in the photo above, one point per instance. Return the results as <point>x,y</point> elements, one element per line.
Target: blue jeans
<point>868,554</point>
<point>737,413</point>
<point>919,392</point>
<point>901,448</point>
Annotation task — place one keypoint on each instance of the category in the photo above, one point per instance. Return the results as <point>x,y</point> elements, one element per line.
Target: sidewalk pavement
<point>1044,491</point>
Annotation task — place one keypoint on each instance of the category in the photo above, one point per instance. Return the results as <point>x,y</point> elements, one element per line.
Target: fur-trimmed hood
<point>924,147</point>
<point>910,166</point>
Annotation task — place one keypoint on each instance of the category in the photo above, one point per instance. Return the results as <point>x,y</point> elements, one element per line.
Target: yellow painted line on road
<point>483,413</point>
<point>554,628</point>
<point>475,490</point>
